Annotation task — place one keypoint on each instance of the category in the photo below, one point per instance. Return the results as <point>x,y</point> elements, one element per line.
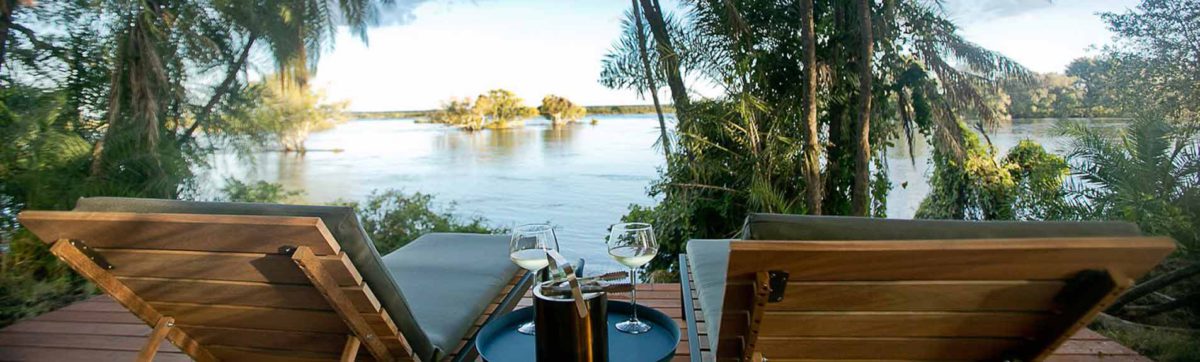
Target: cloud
<point>969,11</point>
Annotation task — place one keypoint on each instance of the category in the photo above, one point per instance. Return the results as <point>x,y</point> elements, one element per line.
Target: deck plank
<point>83,327</point>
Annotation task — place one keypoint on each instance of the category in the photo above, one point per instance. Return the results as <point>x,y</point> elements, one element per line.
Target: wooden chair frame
<point>760,279</point>
<point>369,327</point>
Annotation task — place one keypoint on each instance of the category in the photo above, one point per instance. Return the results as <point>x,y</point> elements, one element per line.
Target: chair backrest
<point>976,299</point>
<point>238,287</point>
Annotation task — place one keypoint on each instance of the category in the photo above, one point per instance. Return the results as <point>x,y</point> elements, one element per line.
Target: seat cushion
<point>709,260</point>
<point>450,279</point>
<point>341,222</point>
<point>808,227</point>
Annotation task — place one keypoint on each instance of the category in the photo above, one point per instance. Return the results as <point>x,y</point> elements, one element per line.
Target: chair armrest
<point>689,310</point>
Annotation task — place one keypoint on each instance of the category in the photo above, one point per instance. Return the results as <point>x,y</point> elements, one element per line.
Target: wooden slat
<point>929,299</point>
<point>264,338</point>
<point>229,353</point>
<point>902,324</point>
<point>54,340</point>
<point>993,259</point>
<point>244,267</point>
<point>1083,298</point>
<point>1014,295</point>
<point>243,293</point>
<point>70,253</point>
<point>80,355</point>
<point>255,317</point>
<point>887,348</point>
<point>315,271</point>
<point>350,350</point>
<point>155,339</point>
<point>36,326</point>
<point>228,233</point>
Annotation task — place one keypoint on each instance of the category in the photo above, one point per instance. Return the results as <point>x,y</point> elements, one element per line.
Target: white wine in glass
<point>632,245</point>
<point>530,259</point>
<point>528,249</point>
<point>632,256</point>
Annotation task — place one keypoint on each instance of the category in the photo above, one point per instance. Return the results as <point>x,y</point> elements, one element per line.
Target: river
<point>581,177</point>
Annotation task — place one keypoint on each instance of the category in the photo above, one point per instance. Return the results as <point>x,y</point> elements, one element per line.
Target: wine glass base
<point>527,328</point>
<point>633,326</point>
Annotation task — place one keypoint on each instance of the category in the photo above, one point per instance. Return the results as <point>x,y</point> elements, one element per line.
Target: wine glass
<point>633,245</point>
<point>528,250</point>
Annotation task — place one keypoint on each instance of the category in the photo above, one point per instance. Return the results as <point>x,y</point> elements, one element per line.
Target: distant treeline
<point>628,109</point>
<point>593,110</point>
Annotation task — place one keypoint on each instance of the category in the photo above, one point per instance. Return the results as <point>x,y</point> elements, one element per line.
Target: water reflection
<point>580,177</point>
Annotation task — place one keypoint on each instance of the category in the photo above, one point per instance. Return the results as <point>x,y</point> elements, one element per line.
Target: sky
<point>427,51</point>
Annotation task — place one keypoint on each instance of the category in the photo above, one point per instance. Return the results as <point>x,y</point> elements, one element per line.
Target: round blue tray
<point>499,341</point>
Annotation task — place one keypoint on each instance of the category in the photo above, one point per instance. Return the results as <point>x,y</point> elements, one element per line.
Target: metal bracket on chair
<point>287,250</point>
<point>92,254</point>
<point>778,283</point>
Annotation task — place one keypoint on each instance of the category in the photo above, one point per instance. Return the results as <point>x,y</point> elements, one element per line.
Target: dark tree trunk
<point>222,89</point>
<point>668,56</point>
<point>6,8</point>
<point>812,163</point>
<point>860,200</point>
<point>650,83</point>
<point>1153,285</point>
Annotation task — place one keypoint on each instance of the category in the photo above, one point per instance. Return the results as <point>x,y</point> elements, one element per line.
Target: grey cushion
<point>450,279</point>
<point>710,258</point>
<point>806,227</point>
<point>342,223</point>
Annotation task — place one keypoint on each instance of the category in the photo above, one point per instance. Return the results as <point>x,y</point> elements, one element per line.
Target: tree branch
<point>222,89</point>
<point>1152,285</point>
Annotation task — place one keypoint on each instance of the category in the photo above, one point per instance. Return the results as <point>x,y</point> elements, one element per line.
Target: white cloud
<point>970,11</point>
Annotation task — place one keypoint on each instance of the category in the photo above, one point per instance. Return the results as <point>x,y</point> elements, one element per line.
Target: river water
<point>581,177</point>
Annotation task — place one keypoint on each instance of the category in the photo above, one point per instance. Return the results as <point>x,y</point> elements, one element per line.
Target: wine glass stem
<point>633,282</point>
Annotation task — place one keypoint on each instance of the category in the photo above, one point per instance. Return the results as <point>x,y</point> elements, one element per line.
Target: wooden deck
<point>98,329</point>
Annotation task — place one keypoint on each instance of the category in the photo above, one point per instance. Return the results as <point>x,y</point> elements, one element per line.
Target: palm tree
<point>650,82</point>
<point>156,39</point>
<point>860,199</point>
<point>808,108</point>
<point>1148,174</point>
<point>668,54</point>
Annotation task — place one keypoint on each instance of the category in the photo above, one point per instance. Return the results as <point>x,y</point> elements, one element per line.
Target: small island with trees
<point>501,108</point>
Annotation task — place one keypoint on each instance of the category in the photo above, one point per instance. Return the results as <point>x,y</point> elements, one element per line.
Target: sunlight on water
<point>581,177</point>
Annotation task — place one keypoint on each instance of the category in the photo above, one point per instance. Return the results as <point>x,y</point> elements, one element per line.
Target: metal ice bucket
<point>573,328</point>
<point>563,335</point>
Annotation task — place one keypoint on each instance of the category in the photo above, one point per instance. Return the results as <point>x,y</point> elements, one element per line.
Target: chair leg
<point>350,351</point>
<point>156,337</point>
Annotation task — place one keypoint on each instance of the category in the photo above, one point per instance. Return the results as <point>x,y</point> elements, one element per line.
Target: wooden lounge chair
<point>839,288</point>
<point>261,282</point>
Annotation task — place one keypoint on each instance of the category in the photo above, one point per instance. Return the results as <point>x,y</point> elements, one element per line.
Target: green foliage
<point>1051,95</point>
<point>1158,344</point>
<point>259,191</point>
<point>1148,174</point>
<point>741,152</point>
<point>1025,185</point>
<point>286,113</point>
<point>627,109</point>
<point>560,110</point>
<point>1039,178</point>
<point>32,281</point>
<point>498,108</point>
<point>393,218</point>
<point>108,98</point>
